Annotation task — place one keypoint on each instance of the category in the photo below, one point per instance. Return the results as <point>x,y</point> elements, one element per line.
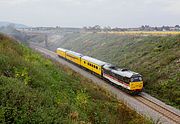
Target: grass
<point>36,90</point>
<point>155,57</point>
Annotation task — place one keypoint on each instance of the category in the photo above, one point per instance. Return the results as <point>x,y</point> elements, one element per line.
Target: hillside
<point>5,24</point>
<point>157,58</point>
<point>13,32</point>
<point>36,90</point>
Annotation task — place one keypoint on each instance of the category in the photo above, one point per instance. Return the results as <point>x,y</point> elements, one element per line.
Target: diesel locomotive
<point>129,80</point>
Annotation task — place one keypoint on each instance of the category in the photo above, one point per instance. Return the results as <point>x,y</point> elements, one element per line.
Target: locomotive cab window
<point>136,79</point>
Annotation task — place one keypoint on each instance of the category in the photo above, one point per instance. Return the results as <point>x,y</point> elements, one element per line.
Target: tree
<point>177,26</point>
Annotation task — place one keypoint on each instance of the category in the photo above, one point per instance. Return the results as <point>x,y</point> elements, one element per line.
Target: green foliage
<point>82,99</point>
<point>36,90</point>
<point>157,58</point>
<point>22,74</point>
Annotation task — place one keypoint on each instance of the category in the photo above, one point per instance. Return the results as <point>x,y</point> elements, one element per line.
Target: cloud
<point>173,7</point>
<point>127,13</point>
<point>12,1</point>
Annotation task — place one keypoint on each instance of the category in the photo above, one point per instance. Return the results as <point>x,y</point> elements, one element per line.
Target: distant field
<point>144,33</point>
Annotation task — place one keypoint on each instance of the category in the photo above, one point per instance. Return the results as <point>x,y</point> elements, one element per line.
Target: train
<point>131,81</point>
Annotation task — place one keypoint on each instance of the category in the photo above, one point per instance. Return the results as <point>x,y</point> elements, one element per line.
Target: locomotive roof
<point>74,53</point>
<point>93,60</point>
<point>62,49</point>
<point>119,71</point>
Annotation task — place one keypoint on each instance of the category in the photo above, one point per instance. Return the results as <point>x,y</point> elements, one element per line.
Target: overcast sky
<point>79,13</point>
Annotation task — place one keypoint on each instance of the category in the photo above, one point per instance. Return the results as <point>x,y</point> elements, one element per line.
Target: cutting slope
<point>156,58</point>
<point>36,90</point>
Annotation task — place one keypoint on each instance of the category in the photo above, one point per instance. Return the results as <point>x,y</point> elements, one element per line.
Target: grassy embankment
<point>156,58</point>
<point>34,90</point>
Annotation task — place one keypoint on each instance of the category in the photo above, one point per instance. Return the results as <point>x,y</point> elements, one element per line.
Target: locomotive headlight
<point>140,78</point>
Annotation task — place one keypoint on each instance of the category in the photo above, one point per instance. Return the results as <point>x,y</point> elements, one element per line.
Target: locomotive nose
<point>136,85</point>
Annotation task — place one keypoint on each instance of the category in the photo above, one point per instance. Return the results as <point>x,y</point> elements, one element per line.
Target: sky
<point>79,13</point>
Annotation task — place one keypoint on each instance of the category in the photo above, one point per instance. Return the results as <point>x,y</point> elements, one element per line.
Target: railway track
<point>143,104</point>
<point>175,117</point>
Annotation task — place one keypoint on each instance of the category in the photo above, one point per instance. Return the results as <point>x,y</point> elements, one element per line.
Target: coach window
<point>96,67</point>
<point>84,62</point>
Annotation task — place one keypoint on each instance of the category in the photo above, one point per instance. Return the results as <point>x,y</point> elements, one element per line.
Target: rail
<point>159,108</point>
